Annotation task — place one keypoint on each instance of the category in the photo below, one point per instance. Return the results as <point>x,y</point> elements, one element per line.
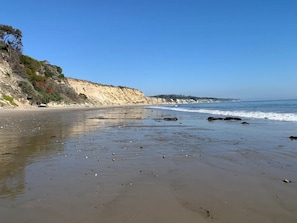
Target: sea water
<point>279,110</point>
<point>265,139</point>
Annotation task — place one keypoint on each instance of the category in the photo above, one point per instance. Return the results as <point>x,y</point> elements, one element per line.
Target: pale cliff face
<point>109,95</point>
<point>93,93</point>
<point>9,87</point>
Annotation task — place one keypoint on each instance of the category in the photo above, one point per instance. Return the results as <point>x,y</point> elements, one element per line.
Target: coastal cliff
<point>26,82</point>
<point>99,94</point>
<point>72,92</point>
<point>30,83</point>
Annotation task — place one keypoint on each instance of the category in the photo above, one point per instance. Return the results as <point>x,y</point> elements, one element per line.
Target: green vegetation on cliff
<point>39,81</point>
<point>9,99</point>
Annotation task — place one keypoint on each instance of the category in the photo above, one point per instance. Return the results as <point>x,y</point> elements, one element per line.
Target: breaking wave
<point>290,117</point>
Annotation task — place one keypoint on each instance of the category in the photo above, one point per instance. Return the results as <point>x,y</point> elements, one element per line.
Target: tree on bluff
<point>11,38</point>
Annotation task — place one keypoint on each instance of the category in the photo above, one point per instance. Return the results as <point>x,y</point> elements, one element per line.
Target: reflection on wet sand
<point>28,136</point>
<point>131,165</point>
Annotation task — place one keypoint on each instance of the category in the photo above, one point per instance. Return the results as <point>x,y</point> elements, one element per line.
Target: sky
<point>244,49</point>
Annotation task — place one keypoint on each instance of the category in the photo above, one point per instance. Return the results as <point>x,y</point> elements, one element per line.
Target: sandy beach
<point>128,164</point>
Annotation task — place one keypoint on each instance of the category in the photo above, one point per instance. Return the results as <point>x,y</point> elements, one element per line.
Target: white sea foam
<point>291,117</point>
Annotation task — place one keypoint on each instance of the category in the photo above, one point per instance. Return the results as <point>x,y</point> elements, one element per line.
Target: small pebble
<point>164,156</point>
<point>87,157</point>
<point>286,181</point>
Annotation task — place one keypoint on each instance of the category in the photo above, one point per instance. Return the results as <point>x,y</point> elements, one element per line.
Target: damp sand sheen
<point>143,164</point>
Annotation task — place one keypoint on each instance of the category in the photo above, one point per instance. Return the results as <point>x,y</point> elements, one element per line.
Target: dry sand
<point>129,165</point>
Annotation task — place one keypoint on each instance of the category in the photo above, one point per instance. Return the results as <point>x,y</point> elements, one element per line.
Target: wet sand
<point>129,165</point>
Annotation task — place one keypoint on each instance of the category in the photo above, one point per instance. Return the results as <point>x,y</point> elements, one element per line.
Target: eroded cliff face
<point>97,94</point>
<point>89,94</point>
<point>19,91</point>
<point>10,93</point>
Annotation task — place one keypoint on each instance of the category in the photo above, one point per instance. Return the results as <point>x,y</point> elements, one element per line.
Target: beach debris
<point>287,181</point>
<point>293,137</point>
<point>206,212</point>
<point>127,184</point>
<point>170,119</point>
<point>163,156</point>
<point>113,160</point>
<point>42,105</point>
<point>86,157</point>
<point>99,117</point>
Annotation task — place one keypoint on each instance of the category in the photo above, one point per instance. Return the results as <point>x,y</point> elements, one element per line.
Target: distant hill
<point>177,98</point>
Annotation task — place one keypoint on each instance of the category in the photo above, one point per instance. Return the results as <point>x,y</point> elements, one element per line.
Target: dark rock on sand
<point>245,123</point>
<point>171,119</point>
<point>293,137</point>
<point>226,118</point>
<point>213,119</point>
<point>232,119</point>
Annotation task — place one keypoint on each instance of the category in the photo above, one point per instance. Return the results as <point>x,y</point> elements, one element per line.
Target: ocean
<point>264,142</point>
<point>278,110</point>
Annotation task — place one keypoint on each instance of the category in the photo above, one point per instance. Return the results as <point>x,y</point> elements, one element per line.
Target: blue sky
<point>217,48</point>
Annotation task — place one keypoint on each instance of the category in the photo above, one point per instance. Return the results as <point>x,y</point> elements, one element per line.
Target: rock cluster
<point>210,119</point>
<point>226,118</point>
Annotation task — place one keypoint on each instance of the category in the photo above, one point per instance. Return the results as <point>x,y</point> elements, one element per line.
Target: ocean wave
<point>290,117</point>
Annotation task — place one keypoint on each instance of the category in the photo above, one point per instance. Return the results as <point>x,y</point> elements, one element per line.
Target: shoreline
<point>152,102</point>
<point>67,108</point>
<point>127,164</point>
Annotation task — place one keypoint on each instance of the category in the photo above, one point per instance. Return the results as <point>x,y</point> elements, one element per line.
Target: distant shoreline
<point>166,101</point>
